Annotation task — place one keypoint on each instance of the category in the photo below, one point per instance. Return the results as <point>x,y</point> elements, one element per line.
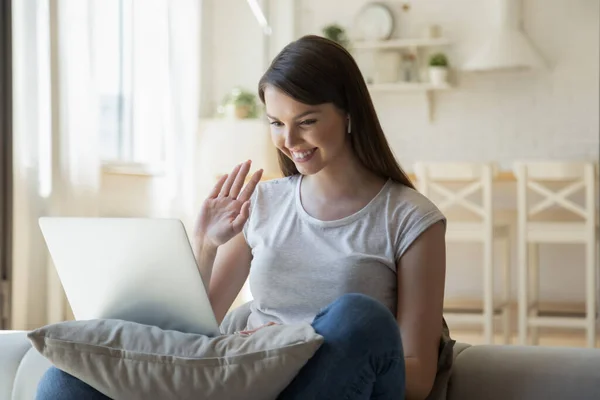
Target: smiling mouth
<point>303,156</point>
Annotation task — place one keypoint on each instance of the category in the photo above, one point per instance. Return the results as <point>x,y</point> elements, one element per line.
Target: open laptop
<point>135,269</point>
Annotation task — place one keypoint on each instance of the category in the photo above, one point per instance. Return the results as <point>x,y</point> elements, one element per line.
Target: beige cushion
<point>126,360</point>
<point>502,372</point>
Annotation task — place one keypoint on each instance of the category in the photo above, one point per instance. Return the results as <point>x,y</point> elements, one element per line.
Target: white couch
<point>21,366</point>
<point>479,372</point>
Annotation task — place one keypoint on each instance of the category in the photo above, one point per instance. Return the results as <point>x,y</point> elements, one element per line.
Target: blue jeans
<point>360,359</point>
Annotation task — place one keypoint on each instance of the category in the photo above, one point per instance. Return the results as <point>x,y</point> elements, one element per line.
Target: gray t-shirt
<point>301,264</point>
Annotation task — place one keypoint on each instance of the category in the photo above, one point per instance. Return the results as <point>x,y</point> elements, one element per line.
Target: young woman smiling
<point>343,241</point>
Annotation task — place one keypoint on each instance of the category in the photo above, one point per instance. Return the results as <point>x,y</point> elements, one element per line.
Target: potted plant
<point>438,69</point>
<point>336,33</point>
<point>239,104</point>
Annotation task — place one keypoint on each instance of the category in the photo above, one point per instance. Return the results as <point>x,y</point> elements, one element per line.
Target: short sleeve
<point>414,220</point>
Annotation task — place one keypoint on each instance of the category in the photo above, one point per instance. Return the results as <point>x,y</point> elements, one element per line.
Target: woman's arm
<point>224,271</point>
<point>421,280</point>
<point>222,254</point>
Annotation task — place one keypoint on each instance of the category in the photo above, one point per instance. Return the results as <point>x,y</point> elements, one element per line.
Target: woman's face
<point>311,136</point>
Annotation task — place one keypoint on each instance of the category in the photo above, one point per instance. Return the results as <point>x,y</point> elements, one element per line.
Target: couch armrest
<point>525,372</point>
<point>21,366</point>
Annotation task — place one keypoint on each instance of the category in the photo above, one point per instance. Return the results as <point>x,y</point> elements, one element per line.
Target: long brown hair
<point>315,70</point>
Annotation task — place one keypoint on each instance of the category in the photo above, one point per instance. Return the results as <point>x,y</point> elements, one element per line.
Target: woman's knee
<point>360,319</point>
<point>51,383</point>
<point>357,307</point>
<point>360,303</point>
<point>58,385</point>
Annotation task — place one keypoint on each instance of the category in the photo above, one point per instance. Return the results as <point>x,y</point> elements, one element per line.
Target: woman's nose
<point>291,138</point>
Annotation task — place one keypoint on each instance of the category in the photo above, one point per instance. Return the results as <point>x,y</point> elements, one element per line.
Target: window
<point>131,70</point>
<point>109,71</point>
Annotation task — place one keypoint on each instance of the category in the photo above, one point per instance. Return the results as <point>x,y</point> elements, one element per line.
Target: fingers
<point>242,217</point>
<point>229,181</point>
<point>231,184</point>
<point>239,180</point>
<point>249,189</point>
<point>217,188</point>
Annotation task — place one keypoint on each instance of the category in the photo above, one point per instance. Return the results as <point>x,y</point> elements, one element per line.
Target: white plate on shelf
<point>374,22</point>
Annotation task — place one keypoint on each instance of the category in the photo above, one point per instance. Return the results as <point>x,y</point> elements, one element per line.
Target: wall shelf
<point>405,87</point>
<point>399,43</point>
<point>420,48</point>
<point>425,88</point>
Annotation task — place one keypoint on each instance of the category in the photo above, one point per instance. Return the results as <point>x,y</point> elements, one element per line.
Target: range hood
<point>508,47</point>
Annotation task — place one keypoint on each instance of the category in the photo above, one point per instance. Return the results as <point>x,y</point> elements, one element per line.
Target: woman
<point>343,240</point>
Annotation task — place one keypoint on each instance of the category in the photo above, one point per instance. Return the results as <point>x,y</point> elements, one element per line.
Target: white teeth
<point>303,154</point>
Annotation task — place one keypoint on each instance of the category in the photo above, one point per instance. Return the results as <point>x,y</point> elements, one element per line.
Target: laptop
<point>135,269</point>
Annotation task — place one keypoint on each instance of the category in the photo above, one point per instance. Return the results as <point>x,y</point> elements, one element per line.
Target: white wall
<point>235,50</point>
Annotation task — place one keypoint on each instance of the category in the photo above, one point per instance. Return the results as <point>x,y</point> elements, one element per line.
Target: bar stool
<point>542,222</point>
<point>473,222</point>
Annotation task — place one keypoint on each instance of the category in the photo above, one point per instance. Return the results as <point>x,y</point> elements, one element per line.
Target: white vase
<point>438,76</point>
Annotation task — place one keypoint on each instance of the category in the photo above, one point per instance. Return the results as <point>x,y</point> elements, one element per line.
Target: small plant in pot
<point>336,33</point>
<point>438,69</point>
<point>239,104</point>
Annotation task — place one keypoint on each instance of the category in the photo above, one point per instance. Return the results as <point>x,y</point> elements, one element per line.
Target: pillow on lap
<point>127,360</point>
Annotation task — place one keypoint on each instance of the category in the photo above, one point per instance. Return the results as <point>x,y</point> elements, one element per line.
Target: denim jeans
<point>360,359</point>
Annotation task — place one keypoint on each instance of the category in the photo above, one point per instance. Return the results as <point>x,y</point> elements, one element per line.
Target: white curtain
<point>176,73</point>
<point>56,164</point>
<point>75,142</point>
<point>162,68</point>
<point>31,162</point>
<point>56,126</point>
<point>184,24</point>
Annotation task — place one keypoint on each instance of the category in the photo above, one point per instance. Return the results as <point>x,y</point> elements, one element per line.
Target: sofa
<point>479,372</point>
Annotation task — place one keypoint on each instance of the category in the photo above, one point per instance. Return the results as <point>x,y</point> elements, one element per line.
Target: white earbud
<point>349,125</point>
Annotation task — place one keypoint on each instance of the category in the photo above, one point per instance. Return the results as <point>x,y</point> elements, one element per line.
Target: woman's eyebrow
<point>303,114</point>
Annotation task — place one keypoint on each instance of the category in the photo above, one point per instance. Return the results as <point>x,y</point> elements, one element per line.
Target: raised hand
<point>227,208</point>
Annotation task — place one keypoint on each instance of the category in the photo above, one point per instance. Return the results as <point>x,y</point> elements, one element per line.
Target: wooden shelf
<point>405,87</point>
<point>399,43</point>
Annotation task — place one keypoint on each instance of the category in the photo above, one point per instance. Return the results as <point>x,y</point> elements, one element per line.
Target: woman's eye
<point>276,123</point>
<point>308,122</point>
